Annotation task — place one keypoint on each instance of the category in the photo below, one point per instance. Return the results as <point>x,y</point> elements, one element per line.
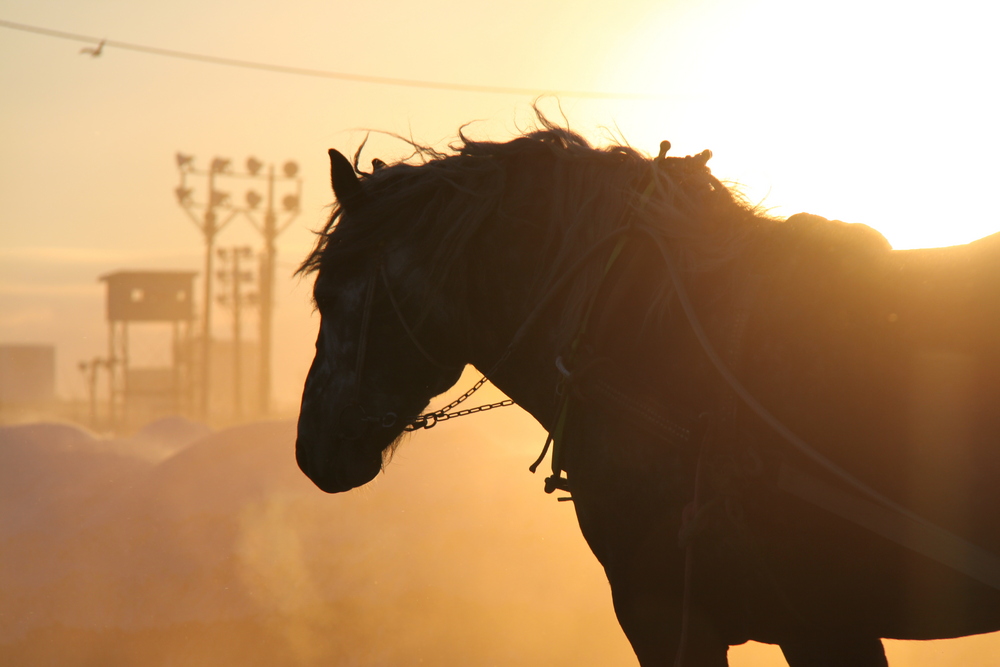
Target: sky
<point>874,112</point>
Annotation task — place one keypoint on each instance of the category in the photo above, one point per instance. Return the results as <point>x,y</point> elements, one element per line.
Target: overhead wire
<point>319,73</point>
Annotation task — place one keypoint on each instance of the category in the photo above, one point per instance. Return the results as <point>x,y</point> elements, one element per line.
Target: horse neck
<point>500,298</point>
<point>528,372</point>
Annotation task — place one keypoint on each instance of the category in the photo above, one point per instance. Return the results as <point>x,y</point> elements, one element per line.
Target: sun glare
<point>878,113</point>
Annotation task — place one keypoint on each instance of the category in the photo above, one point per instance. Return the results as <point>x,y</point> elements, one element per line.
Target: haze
<point>875,112</point>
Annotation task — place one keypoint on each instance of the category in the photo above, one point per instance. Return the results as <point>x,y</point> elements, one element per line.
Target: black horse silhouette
<point>772,430</point>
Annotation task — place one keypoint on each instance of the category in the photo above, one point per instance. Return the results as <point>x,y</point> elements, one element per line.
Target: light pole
<point>209,226</point>
<point>269,224</point>
<point>237,300</point>
<point>270,227</point>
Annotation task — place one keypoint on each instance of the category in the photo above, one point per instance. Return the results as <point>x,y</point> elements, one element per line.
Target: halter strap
<point>366,316</point>
<point>353,420</point>
<point>406,326</point>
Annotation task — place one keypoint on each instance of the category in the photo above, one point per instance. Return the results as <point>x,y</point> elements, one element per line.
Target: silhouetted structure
<point>149,296</point>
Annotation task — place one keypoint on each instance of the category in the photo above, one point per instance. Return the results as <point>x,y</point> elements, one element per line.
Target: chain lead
<point>430,419</point>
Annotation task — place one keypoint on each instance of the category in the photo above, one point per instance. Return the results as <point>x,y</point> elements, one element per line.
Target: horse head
<point>490,257</point>
<point>382,352</point>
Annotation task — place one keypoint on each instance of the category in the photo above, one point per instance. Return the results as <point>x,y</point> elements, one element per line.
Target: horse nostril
<point>353,423</point>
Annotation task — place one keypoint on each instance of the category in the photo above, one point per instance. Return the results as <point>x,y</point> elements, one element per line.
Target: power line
<point>323,74</point>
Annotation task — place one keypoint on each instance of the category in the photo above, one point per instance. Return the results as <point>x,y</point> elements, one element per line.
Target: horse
<point>779,430</point>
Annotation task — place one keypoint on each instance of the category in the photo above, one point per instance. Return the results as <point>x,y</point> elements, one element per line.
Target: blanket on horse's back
<point>886,363</point>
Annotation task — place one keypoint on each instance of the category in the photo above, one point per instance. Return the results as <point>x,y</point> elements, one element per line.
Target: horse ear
<point>346,185</point>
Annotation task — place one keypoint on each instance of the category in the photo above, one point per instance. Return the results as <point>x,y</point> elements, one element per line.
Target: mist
<point>183,545</point>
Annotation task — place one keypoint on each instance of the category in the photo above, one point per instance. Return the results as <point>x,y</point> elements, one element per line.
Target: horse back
<point>888,364</point>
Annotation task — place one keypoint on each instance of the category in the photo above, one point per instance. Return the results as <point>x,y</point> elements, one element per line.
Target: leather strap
<point>920,536</point>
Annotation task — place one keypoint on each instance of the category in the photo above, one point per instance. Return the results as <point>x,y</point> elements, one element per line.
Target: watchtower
<point>149,296</point>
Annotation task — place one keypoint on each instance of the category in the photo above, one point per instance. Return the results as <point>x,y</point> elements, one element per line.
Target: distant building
<point>164,297</point>
<point>140,392</point>
<point>150,296</point>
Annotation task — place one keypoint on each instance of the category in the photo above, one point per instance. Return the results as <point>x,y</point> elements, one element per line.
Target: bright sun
<point>866,111</point>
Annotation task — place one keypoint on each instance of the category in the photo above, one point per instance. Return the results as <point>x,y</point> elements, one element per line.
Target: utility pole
<point>270,227</point>
<point>237,299</point>
<point>208,223</point>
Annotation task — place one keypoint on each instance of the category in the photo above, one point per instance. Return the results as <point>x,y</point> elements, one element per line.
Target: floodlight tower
<point>209,225</point>
<point>270,227</point>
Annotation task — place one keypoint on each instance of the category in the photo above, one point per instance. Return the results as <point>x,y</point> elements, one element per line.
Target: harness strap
<point>557,435</point>
<point>689,522</point>
<point>916,535</point>
<point>935,542</point>
<point>599,383</point>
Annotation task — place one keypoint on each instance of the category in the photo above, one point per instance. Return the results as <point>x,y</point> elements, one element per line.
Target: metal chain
<point>430,419</point>
<point>461,399</point>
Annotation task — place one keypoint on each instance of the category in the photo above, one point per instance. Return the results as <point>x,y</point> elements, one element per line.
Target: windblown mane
<point>437,206</point>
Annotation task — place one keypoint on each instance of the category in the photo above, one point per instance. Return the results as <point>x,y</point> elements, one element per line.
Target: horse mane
<point>435,203</point>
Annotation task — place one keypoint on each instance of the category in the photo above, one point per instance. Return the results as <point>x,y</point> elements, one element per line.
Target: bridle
<point>354,411</point>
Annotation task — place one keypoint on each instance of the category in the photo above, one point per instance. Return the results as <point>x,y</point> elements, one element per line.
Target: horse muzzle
<point>334,463</point>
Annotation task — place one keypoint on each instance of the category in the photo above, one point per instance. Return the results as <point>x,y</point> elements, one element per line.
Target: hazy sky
<point>873,112</point>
